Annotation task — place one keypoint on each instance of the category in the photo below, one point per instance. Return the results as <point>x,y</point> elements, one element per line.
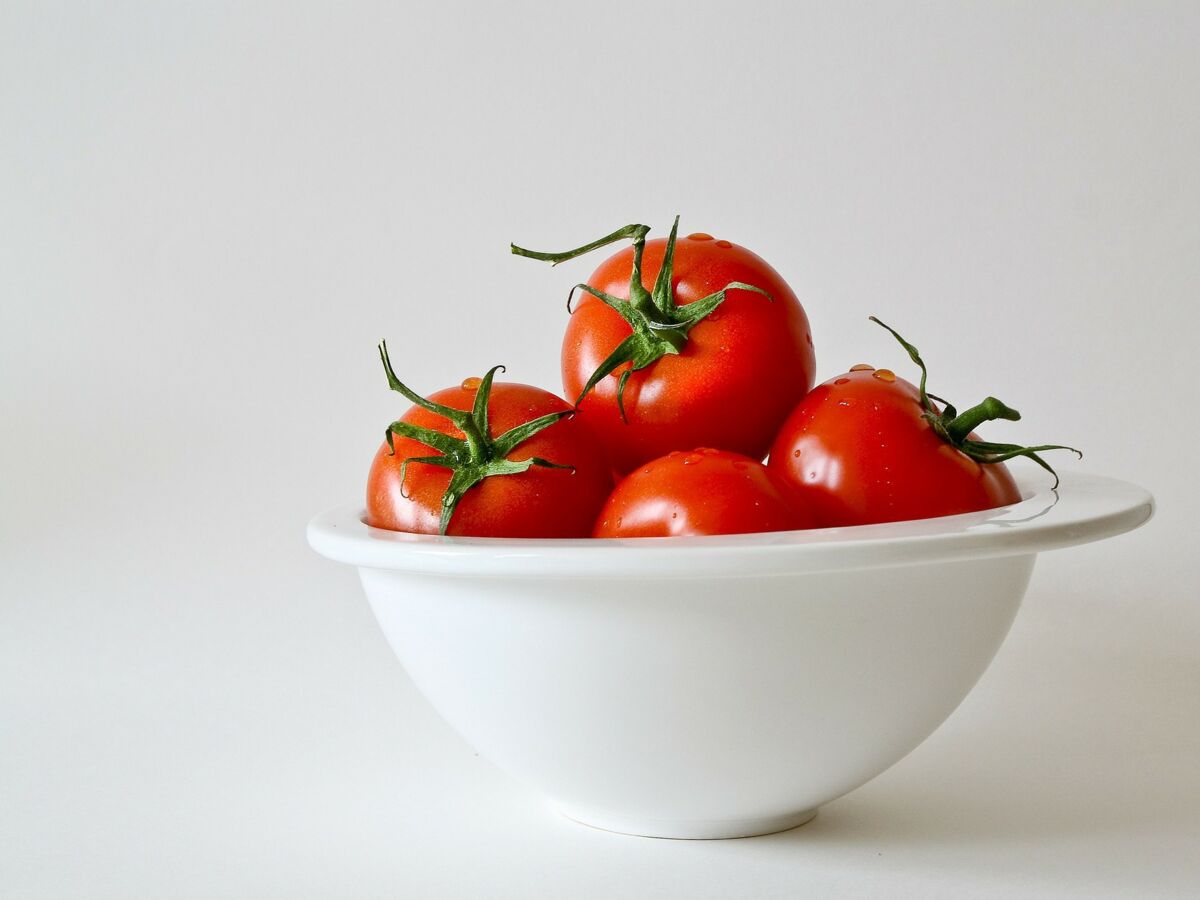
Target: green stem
<point>475,456</point>
<point>659,327</point>
<point>967,421</point>
<point>476,442</point>
<point>636,232</point>
<point>955,428</point>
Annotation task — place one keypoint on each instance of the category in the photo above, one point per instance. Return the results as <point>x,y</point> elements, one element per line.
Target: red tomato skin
<point>742,371</point>
<point>536,503</point>
<point>701,492</point>
<point>858,452</point>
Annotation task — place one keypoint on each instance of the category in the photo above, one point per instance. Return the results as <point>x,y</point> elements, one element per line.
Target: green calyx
<point>955,427</point>
<point>660,327</point>
<point>476,455</point>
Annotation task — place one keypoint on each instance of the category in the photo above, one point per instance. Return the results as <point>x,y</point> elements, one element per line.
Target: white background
<point>209,214</point>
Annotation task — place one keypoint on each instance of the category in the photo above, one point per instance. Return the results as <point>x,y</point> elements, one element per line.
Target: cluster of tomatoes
<point>689,360</point>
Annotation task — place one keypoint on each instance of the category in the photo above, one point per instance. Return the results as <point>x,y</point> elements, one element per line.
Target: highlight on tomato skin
<point>700,492</point>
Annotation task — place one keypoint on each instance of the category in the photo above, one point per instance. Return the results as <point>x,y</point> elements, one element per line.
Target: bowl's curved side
<point>699,707</point>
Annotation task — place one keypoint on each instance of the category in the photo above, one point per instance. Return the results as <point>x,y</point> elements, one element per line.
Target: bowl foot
<point>687,829</point>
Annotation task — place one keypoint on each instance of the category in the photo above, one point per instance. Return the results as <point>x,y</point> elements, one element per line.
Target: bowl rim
<point>1084,508</point>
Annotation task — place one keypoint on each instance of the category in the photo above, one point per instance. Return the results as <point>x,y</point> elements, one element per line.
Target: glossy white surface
<point>711,687</point>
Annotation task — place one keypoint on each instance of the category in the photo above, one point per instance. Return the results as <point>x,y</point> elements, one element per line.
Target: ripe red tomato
<point>870,447</point>
<point>859,452</point>
<point>726,380</point>
<point>550,484</point>
<point>702,492</point>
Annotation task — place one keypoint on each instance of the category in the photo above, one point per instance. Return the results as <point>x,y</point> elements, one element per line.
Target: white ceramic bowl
<point>718,686</point>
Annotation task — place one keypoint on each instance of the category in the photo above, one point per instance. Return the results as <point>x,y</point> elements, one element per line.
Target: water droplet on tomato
<point>674,515</point>
<point>885,375</point>
<point>692,458</point>
<point>739,465</point>
<point>841,381</point>
<point>675,453</point>
<point>619,520</point>
<point>861,367</point>
<point>472,383</point>
<point>845,403</point>
<point>708,451</point>
<point>699,236</point>
<point>796,453</point>
<point>724,244</point>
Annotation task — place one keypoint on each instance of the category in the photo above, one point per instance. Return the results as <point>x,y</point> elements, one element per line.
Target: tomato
<point>651,380</point>
<point>859,451</point>
<point>550,483</point>
<point>870,447</point>
<point>702,492</point>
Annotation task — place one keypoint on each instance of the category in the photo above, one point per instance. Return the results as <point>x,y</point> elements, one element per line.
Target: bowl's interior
<point>1084,508</point>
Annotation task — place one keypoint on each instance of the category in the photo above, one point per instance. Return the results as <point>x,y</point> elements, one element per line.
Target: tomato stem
<point>989,410</point>
<point>955,428</point>
<point>636,232</point>
<point>659,327</point>
<point>474,457</point>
